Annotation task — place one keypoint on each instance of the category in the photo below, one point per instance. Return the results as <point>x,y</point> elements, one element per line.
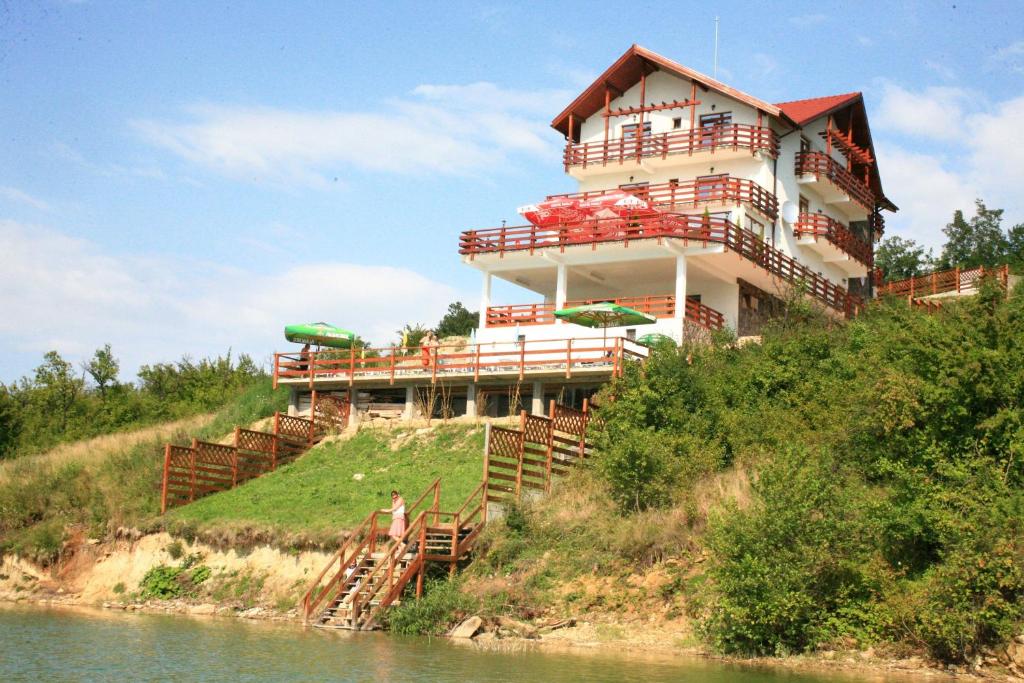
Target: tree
<point>411,335</point>
<point>900,258</point>
<point>1015,244</point>
<point>103,369</point>
<point>10,422</point>
<point>976,242</point>
<point>60,387</point>
<point>457,322</point>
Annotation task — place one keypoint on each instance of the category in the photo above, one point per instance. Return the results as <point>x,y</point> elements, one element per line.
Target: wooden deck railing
<point>819,225</point>
<point>939,282</point>
<point>515,359</point>
<point>822,165</point>
<point>657,306</point>
<point>690,229</point>
<point>734,137</point>
<point>191,472</point>
<point>678,196</point>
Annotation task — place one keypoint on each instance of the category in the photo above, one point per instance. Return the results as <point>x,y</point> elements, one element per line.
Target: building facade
<point>732,204</point>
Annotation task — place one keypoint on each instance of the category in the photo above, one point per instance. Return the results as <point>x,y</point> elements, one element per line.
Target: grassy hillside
<point>839,485</point>
<point>334,486</point>
<point>106,483</point>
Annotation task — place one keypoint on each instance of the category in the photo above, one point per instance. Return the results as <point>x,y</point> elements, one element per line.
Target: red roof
<point>803,111</point>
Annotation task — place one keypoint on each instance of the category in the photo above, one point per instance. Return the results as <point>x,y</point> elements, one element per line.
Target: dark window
<point>711,187</point>
<point>629,130</point>
<point>631,333</point>
<point>716,120</point>
<point>756,227</point>
<point>805,145</point>
<point>805,205</point>
<point>677,123</point>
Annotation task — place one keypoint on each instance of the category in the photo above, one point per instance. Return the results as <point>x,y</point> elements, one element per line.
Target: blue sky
<point>184,177</point>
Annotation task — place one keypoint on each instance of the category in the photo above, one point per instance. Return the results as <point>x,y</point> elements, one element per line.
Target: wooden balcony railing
<point>657,306</point>
<point>822,165</point>
<point>676,196</point>
<point>819,225</point>
<point>939,282</point>
<point>703,230</point>
<point>662,145</point>
<point>433,363</point>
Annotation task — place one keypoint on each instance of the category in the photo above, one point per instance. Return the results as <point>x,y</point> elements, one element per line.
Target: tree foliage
<point>888,455</point>
<point>980,241</point>
<point>55,404</point>
<point>900,258</point>
<point>457,322</point>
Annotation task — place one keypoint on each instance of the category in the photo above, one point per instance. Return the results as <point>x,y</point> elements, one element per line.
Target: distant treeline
<point>58,402</point>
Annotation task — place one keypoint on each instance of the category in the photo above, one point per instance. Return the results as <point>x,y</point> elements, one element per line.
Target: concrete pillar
<point>410,404</point>
<point>353,409</point>
<point>471,400</point>
<point>680,294</point>
<point>561,285</point>
<point>293,401</point>
<point>485,300</point>
<point>537,404</point>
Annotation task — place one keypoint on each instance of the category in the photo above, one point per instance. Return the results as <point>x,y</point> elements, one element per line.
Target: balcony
<point>664,149</point>
<point>707,193</point>
<point>836,185</point>
<point>834,241</point>
<point>689,230</point>
<point>952,282</point>
<point>597,357</point>
<point>656,306</point>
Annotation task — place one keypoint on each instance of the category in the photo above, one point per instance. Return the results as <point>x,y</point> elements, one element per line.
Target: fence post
<point>351,365</point>
<point>234,460</point>
<point>487,463</point>
<point>276,441</point>
<point>957,271</point>
<point>519,458</point>
<point>437,503</point>
<point>583,428</point>
<point>311,366</point>
<point>568,359</point>
<point>422,553</point>
<point>167,472</point>
<point>550,454</point>
<point>192,471</point>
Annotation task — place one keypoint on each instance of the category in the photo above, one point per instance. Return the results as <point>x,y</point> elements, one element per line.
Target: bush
<point>791,571</point>
<point>640,468</point>
<point>443,605</point>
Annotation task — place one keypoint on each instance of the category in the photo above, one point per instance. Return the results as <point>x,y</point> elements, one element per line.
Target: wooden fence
<point>953,280</point>
<point>657,306</point>
<point>527,458</point>
<point>191,472</point>
<point>821,165</point>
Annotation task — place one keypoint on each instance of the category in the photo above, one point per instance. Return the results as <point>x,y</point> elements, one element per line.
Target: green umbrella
<point>604,315</point>
<point>654,339</point>
<point>321,334</point>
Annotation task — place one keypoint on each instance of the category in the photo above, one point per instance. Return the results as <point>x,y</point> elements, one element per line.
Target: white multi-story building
<point>742,203</point>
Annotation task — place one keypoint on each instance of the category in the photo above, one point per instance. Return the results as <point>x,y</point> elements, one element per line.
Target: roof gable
<point>626,72</point>
<point>804,111</point>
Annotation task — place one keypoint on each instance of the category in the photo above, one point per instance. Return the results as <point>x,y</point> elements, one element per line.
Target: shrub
<point>443,605</point>
<point>175,549</point>
<point>640,468</point>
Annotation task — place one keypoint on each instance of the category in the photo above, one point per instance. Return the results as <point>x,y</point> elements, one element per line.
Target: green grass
<point>319,491</point>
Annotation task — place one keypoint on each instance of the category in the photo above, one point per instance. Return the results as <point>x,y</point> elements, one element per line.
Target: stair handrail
<point>310,602</point>
<point>435,488</point>
<point>395,550</point>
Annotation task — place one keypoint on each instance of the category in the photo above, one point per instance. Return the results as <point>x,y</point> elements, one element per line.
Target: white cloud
<point>1010,57</point>
<point>934,112</point>
<point>21,197</point>
<point>65,293</point>
<point>451,129</point>
<point>942,70</point>
<point>926,192</point>
<point>808,20</point>
<point>996,143</point>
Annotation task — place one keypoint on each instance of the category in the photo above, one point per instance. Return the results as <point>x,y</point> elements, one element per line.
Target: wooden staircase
<point>191,472</point>
<point>370,571</point>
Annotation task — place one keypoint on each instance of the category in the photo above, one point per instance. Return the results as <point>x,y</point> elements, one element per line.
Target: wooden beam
<point>607,120</point>
<point>626,111</point>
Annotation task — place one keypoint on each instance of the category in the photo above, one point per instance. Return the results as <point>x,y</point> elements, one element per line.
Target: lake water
<point>56,644</point>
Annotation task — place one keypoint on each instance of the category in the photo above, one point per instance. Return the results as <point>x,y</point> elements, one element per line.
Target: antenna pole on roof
<point>714,73</point>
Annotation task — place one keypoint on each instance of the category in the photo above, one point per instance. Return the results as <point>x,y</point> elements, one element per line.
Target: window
<point>711,187</point>
<point>716,120</point>
<point>631,334</point>
<point>805,144</point>
<point>756,227</point>
<point>805,204</point>
<point>677,123</point>
<point>629,130</point>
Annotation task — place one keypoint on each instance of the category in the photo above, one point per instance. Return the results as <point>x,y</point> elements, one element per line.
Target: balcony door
<point>710,188</point>
<point>630,131</point>
<point>713,127</point>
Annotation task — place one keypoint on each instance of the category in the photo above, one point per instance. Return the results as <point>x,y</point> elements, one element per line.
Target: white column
<point>485,300</point>
<point>537,404</point>
<point>410,403</point>
<point>561,284</point>
<point>353,409</point>
<point>680,310</point>
<point>471,400</point>
<point>293,401</point>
